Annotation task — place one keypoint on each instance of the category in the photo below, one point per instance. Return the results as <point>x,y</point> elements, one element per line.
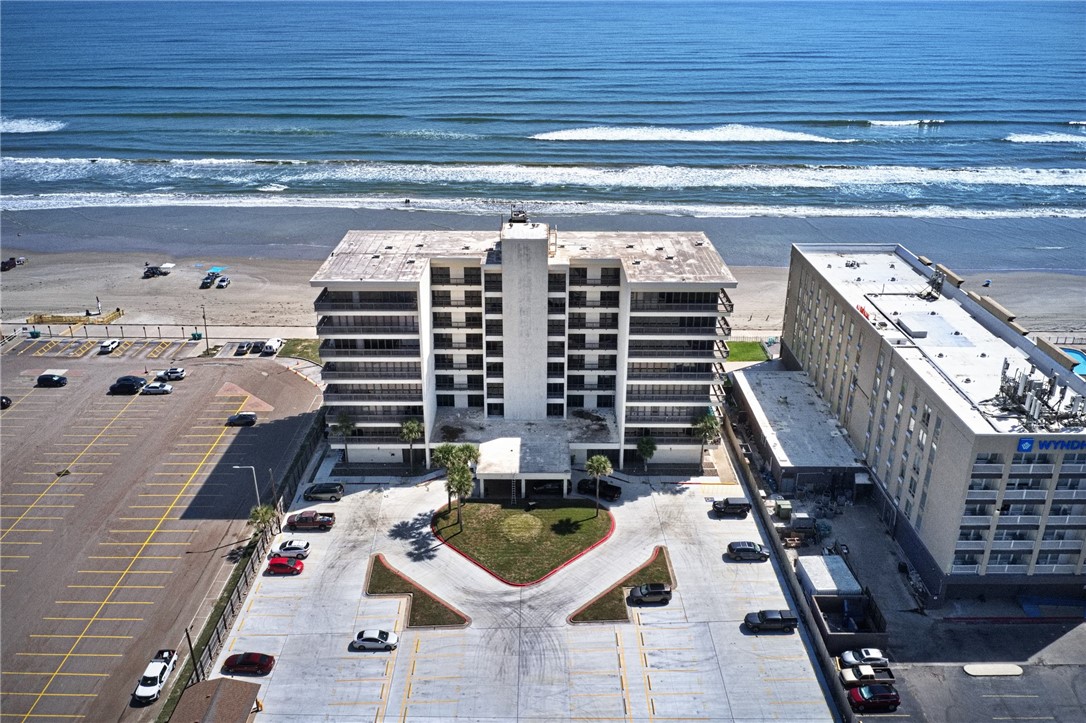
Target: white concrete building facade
<point>486,335</point>
<point>975,435</point>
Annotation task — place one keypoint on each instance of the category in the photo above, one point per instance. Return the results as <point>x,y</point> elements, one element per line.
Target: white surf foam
<point>1045,138</point>
<point>29,125</point>
<point>922,122</point>
<point>273,188</point>
<point>731,133</point>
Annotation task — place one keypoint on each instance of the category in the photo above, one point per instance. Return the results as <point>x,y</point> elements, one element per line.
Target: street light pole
<point>207,342</point>
<point>256,487</point>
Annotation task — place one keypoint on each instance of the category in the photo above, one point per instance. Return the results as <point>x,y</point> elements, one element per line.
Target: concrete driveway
<point>519,658</point>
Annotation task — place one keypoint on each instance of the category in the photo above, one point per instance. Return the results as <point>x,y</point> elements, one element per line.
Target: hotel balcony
<point>981,496</point>
<point>438,281</point>
<point>440,303</point>
<point>1021,520</point>
<point>1013,545</point>
<point>666,376</point>
<point>380,397</point>
<point>326,330</point>
<point>604,281</point>
<point>582,387</point>
<point>979,469</point>
<point>641,328</point>
<point>965,569</point>
<point>1006,569</point>
<point>363,376</point>
<point>976,520</point>
<point>593,345</point>
<point>447,325</point>
<point>1068,520</point>
<point>1025,495</point>
<point>1068,495</point>
<point>611,324</point>
<point>1031,470</point>
<point>476,365</point>
<point>334,302</point>
<point>655,417</point>
<point>329,353</point>
<point>970,545</point>
<point>1055,569</point>
<point>633,398</point>
<point>718,352</point>
<point>673,440</point>
<point>722,305</point>
<point>1052,545</point>
<point>469,386</point>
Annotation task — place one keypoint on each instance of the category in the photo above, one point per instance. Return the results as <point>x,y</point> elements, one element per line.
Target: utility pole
<point>207,342</point>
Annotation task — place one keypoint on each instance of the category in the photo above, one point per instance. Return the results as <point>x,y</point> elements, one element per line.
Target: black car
<point>256,347</point>
<point>243,348</point>
<point>241,419</point>
<point>737,506</point>
<point>128,385</point>
<point>608,491</point>
<point>745,550</point>
<point>207,282</point>
<point>52,380</point>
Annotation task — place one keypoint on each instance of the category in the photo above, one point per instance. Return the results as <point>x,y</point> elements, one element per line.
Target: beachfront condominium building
<point>975,436</point>
<point>592,340</point>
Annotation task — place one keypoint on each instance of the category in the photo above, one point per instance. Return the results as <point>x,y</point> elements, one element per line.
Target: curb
<point>411,597</point>
<point>656,551</point>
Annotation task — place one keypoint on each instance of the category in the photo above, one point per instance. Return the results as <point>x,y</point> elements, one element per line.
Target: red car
<point>251,663</point>
<point>284,566</point>
<point>873,697</point>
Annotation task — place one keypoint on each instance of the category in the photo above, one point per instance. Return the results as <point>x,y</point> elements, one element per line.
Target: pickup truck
<point>865,674</point>
<point>150,685</point>
<point>771,620</point>
<point>311,520</point>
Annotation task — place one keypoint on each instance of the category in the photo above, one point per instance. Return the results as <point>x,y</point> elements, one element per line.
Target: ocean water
<point>816,108</point>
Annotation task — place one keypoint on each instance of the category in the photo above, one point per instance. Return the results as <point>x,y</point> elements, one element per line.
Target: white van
<point>108,346</point>
<point>272,345</point>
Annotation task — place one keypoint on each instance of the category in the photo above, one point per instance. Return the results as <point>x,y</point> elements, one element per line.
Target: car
<point>250,663</point>
<point>150,684</point>
<point>108,346</point>
<point>130,379</point>
<point>126,388</point>
<point>285,566</point>
<point>223,282</point>
<point>550,487</point>
<point>241,419</point>
<point>744,550</point>
<point>771,620</point>
<point>272,346</point>
<point>375,640</point>
<point>243,348</point>
<point>331,491</point>
<point>5,402</point>
<point>52,380</point>
<point>207,282</point>
<point>256,347</point>
<point>651,592</point>
<point>158,388</point>
<point>171,375</point>
<point>873,697</point>
<point>732,506</point>
<point>298,549</point>
<point>608,491</point>
<point>864,656</point>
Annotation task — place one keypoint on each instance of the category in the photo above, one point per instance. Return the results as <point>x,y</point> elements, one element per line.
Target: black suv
<point>331,491</point>
<point>737,506</point>
<point>651,593</point>
<point>52,380</point>
<point>608,491</point>
<point>128,385</point>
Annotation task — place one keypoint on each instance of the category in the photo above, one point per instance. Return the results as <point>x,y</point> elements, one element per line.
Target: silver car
<point>298,549</point>
<point>375,640</point>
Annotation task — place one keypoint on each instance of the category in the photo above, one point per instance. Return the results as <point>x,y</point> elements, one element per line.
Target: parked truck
<point>311,520</point>
<point>771,620</point>
<point>864,675</point>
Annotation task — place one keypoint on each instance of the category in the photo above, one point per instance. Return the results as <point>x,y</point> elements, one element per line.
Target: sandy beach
<point>78,255</point>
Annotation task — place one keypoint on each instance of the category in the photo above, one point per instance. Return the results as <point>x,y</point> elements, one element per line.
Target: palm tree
<point>455,457</point>
<point>411,431</point>
<point>461,483</point>
<point>598,466</point>
<point>343,426</point>
<point>261,516</point>
<point>708,428</point>
<point>646,447</point>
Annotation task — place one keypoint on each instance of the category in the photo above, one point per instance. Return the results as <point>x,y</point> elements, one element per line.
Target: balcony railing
<point>1060,544</point>
<point>985,468</point>
<point>382,419</point>
<point>442,281</point>
<point>1006,569</point>
<point>670,330</point>
<point>383,396</point>
<point>458,367</point>
<point>581,324</point>
<point>976,520</point>
<point>1068,495</point>
<point>665,376</point>
<point>1010,545</point>
<point>604,368</point>
<point>1076,520</point>
<point>369,374</point>
<point>457,303</point>
<point>1054,569</point>
<point>721,306</point>
<point>331,353</point>
<point>663,439</point>
<point>593,304</point>
<point>1025,495</point>
<point>981,495</point>
<point>648,420</point>
<point>460,387</point>
<point>592,345</point>
<point>575,281</point>
<point>439,325</point>
<point>1019,520</point>
<point>469,346</point>
<point>664,353</point>
<point>965,569</point>
<point>324,329</point>
<point>687,398</point>
<point>581,387</point>
<point>970,545</point>
<point>322,304</point>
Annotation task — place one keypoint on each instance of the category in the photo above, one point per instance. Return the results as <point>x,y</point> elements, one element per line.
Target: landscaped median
<point>522,546</point>
<point>425,610</point>
<point>610,607</point>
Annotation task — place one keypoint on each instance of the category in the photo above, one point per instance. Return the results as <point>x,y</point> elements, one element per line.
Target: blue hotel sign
<point>1028,444</point>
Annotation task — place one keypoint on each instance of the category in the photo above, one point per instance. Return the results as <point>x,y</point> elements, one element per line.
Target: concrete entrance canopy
<point>519,450</point>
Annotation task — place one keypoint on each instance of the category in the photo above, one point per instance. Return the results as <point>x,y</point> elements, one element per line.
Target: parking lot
<point>520,658</point>
<point>120,513</point>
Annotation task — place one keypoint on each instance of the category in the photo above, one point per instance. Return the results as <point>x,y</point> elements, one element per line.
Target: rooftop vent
<point>375,256</point>
<point>411,261</point>
<point>669,258</point>
<point>629,246</point>
<point>659,248</point>
<point>418,246</point>
<point>388,248</point>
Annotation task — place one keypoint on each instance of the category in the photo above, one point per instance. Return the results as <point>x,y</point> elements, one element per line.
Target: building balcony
<point>325,330</point>
<point>1025,495</point>
<point>370,376</point>
<point>333,354</point>
<point>1028,520</point>
<point>581,324</point>
<point>1006,569</point>
<point>593,304</point>
<point>1068,520</point>
<point>976,520</point>
<point>593,345</point>
<point>671,440</point>
<point>667,398</point>
<point>581,387</point>
<point>651,420</point>
<point>981,496</point>
<point>1035,470</point>
<point>382,420</point>
<point>371,397</point>
<point>1055,569</point>
<point>717,353</point>
<point>672,330</point>
<point>664,376</point>
<point>1012,545</point>
<point>458,346</point>
<point>1068,495</point>
<point>577,281</point>
<point>722,305</point>
<point>444,325</point>
<point>439,304</point>
<point>969,546</point>
<point>326,304</point>
<point>596,368</point>
<point>965,569</point>
<point>1052,545</point>
<point>459,366</point>
<point>994,469</point>
<point>437,281</point>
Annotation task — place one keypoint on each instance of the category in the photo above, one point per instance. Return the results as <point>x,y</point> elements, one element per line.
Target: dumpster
<point>197,336</point>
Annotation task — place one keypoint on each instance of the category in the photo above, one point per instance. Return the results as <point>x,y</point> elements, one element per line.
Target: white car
<point>158,388</point>
<point>864,656</point>
<point>298,549</point>
<point>154,676</point>
<point>171,375</point>
<point>375,640</point>
<point>108,346</point>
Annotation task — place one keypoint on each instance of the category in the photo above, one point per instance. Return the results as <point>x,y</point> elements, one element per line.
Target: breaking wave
<point>29,125</point>
<point>731,133</point>
<point>1045,138</point>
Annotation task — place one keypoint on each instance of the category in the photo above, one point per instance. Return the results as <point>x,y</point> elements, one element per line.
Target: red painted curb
<point>495,575</point>
<point>409,581</point>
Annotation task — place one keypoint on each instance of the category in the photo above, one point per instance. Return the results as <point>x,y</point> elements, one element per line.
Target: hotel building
<point>563,346</point>
<point>974,435</point>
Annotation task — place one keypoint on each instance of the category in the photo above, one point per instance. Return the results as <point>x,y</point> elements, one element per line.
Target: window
<point>605,401</point>
<point>495,410</point>
<point>575,400</point>
<point>1031,458</point>
<point>446,400</point>
<point>555,410</point>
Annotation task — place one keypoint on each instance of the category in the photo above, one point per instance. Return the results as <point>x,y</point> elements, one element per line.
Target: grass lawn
<point>302,348</point>
<point>611,606</point>
<point>745,351</point>
<point>426,610</point>
<point>519,546</point>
